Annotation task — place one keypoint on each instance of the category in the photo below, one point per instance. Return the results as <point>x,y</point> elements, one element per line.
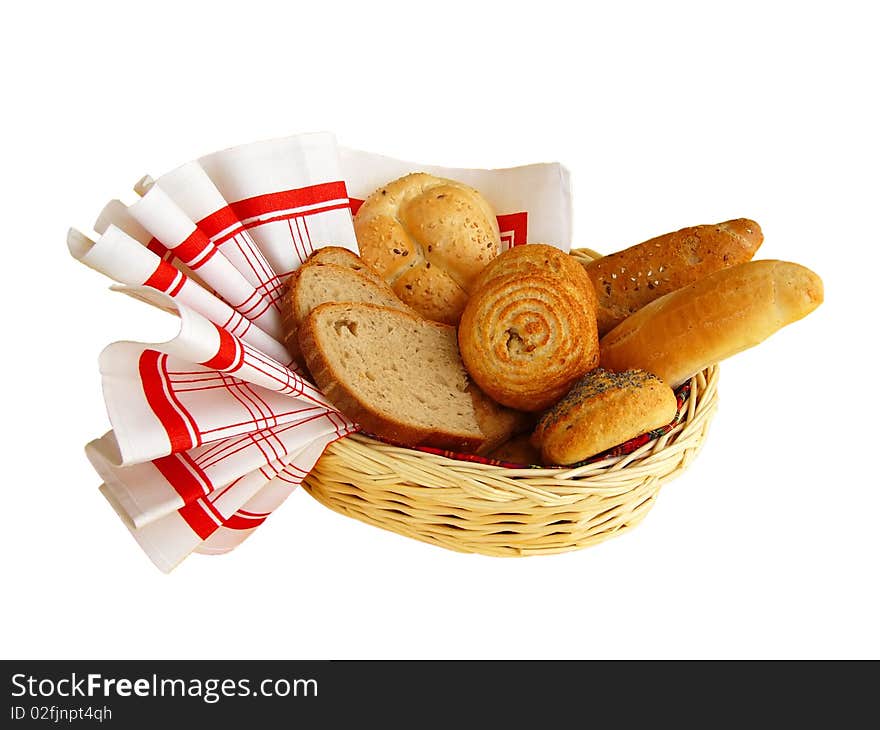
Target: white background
<point>667,114</point>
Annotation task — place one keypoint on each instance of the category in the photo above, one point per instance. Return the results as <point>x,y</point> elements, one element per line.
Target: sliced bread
<point>396,374</point>
<point>318,282</point>
<point>343,257</point>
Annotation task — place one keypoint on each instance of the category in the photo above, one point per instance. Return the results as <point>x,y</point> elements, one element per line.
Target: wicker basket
<point>481,508</point>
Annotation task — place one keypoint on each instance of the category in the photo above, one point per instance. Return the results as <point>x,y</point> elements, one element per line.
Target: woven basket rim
<point>699,408</point>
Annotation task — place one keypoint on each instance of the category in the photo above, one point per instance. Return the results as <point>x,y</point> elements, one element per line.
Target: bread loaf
<point>428,237</point>
<point>628,280</point>
<point>317,282</point>
<point>733,309</point>
<point>603,409</point>
<point>399,376</point>
<point>529,329</point>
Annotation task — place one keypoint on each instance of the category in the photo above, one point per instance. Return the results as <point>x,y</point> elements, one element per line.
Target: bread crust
<point>428,237</point>
<point>529,329</point>
<point>333,261</point>
<point>603,409</point>
<point>354,405</point>
<point>630,279</point>
<point>733,309</point>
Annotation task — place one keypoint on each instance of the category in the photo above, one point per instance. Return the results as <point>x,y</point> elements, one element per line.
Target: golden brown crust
<point>289,323</point>
<point>529,329</point>
<point>733,309</point>
<point>428,237</point>
<point>628,280</point>
<point>496,422</point>
<point>342,257</point>
<point>332,261</point>
<point>603,409</point>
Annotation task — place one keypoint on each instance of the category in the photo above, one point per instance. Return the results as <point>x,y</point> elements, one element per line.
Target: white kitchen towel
<point>172,396</point>
<point>125,260</point>
<point>225,517</point>
<point>171,226</point>
<point>532,202</point>
<point>214,428</point>
<point>194,192</point>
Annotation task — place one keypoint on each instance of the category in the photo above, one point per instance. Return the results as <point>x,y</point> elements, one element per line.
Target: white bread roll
<point>428,237</point>
<point>728,311</point>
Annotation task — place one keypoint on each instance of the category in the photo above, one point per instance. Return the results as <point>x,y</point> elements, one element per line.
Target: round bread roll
<point>603,409</point>
<point>529,329</point>
<point>428,237</point>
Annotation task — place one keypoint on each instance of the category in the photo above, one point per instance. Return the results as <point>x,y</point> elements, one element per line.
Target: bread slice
<point>396,374</point>
<point>496,422</point>
<point>343,257</point>
<point>318,282</point>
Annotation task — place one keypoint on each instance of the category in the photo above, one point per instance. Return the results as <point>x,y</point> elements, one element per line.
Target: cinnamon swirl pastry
<point>529,328</point>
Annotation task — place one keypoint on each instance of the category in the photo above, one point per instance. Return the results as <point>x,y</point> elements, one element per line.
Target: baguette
<point>628,280</point>
<point>733,309</point>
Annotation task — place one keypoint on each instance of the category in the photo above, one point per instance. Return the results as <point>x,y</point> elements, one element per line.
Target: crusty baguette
<point>399,376</point>
<point>628,280</point>
<point>318,281</point>
<point>733,309</point>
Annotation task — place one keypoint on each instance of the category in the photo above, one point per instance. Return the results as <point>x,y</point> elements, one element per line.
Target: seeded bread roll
<point>428,237</point>
<point>628,280</point>
<point>603,409</point>
<point>529,329</point>
<point>684,332</point>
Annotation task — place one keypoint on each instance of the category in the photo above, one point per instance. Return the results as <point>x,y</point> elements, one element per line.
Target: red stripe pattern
<point>514,229</point>
<point>230,354</point>
<point>260,209</point>
<point>151,367</point>
<point>196,250</point>
<point>166,279</point>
